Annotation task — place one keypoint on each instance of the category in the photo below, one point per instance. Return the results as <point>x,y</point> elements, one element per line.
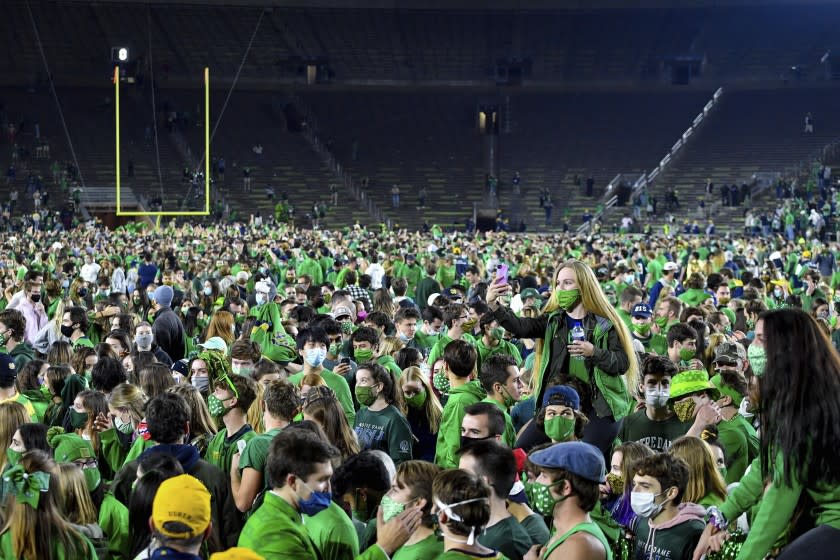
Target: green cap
<point>69,447</point>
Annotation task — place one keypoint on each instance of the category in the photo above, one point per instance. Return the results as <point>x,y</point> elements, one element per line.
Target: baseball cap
<point>453,293</point>
<point>529,292</point>
<point>641,310</point>
<point>181,508</point>
<point>563,395</point>
<point>214,343</point>
<point>341,311</point>
<point>8,369</point>
<point>431,299</point>
<point>670,266</point>
<point>729,352</point>
<point>577,457</point>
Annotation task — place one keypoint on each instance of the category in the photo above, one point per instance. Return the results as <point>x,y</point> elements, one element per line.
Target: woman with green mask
<point>379,423</point>
<point>423,411</point>
<point>560,417</point>
<point>12,416</point>
<point>579,337</point>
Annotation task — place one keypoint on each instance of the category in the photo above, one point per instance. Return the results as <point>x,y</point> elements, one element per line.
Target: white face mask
<point>657,398</point>
<point>644,505</point>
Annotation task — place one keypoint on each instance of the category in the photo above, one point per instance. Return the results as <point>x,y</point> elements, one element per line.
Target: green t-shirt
<point>657,435</point>
<point>256,451</point>
<point>275,530</point>
<point>221,449</point>
<point>440,345</point>
<point>338,384</point>
<point>430,547</point>
<point>386,430</point>
<point>508,537</point>
<point>536,528</point>
<point>741,443</point>
<point>333,533</point>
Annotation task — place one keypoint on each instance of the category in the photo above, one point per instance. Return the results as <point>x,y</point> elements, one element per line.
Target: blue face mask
<point>317,502</point>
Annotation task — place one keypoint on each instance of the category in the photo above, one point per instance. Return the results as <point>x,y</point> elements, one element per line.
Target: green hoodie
<point>693,296</point>
<point>22,354</point>
<point>449,434</point>
<point>387,361</point>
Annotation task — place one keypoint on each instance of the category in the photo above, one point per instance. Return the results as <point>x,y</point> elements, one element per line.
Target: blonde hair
<point>703,476</point>
<point>13,415</point>
<point>431,408</point>
<point>78,507</point>
<point>129,397</point>
<point>594,301</point>
<point>390,345</point>
<point>255,411</point>
<point>221,324</point>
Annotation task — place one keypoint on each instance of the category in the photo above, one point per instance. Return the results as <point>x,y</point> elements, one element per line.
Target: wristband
<point>716,518</point>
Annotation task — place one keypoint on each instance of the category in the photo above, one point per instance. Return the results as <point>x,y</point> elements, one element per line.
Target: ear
<point>672,492</point>
<point>151,525</point>
<point>724,400</point>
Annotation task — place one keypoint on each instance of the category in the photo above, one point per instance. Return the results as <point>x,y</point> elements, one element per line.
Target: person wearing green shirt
<point>492,342</point>
<point>312,268</point>
<point>629,298</point>
<point>281,403</point>
<point>74,325</point>
<point>413,486</point>
<point>501,380</point>
<point>496,464</point>
<point>456,318</point>
<point>667,314</point>
<point>229,402</point>
<point>695,294</point>
<point>379,424</point>
<point>299,468</point>
<point>312,344</point>
<point>459,359</point>
<point>641,325</point>
<point>461,501</point>
<point>412,273</point>
<point>737,436</point>
<point>428,334</point>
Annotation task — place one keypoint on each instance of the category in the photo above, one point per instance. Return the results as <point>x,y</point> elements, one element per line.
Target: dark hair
<point>460,357</point>
<point>167,416</point>
<point>667,470</point>
<point>107,374</point>
<point>586,491</point>
<point>157,467</point>
<point>126,322</point>
<point>246,350</point>
<point>34,436</point>
<point>457,485</point>
<point>366,334</point>
<point>630,293</point>
<point>122,336</point>
<point>296,451</point>
<point>282,399</point>
<point>363,471</point>
<point>155,379</point>
<point>384,376</point>
<point>400,286</point>
<point>452,312</point>
<point>407,357</point>
<point>496,463</point>
<point>245,387</point>
<point>800,391</point>
<point>28,376</point>
<point>680,333</point>
<point>330,325</point>
<point>15,322</point>
<point>404,313</point>
<point>265,367</point>
<point>78,315</point>
<point>495,417</point>
<point>495,370</point>
<point>659,366</point>
<point>430,313</point>
<point>61,353</point>
<point>313,334</point>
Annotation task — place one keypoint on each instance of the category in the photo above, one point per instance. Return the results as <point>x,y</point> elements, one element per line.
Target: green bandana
<point>686,354</point>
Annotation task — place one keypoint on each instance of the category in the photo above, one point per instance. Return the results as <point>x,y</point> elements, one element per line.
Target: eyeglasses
<point>86,463</point>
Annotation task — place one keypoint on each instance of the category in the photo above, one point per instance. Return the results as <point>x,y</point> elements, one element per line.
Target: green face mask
<point>390,508</point>
<point>216,407</point>
<point>93,478</point>
<point>642,329</point>
<point>365,395</point>
<point>723,471</point>
<point>560,428</point>
<point>661,322</point>
<point>78,419</point>
<point>418,400</point>
<point>335,348</point>
<point>363,355</point>
<point>567,299</point>
<point>686,354</point>
<point>441,382</point>
<point>13,457</point>
<point>544,502</point>
<point>498,333</point>
<point>757,358</point>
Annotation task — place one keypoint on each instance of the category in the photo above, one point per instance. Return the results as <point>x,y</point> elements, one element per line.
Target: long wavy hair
<point>432,409</point>
<point>594,301</point>
<point>703,476</point>
<point>322,406</point>
<point>800,397</point>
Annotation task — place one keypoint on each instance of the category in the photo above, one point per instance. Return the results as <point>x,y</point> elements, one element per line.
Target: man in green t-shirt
<point>640,325</point>
<point>229,403</point>
<point>281,403</point>
<point>656,425</point>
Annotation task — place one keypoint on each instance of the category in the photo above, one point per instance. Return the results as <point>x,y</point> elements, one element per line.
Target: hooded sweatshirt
<point>449,434</point>
<point>675,539</point>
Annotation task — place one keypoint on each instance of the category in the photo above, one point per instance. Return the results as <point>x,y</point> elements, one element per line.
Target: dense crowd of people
<point>246,391</point>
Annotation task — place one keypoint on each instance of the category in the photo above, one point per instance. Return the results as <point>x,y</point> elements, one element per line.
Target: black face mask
<point>35,298</point>
<point>468,441</point>
<point>67,330</point>
<point>82,292</point>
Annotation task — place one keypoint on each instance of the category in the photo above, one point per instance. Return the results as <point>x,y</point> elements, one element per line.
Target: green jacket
<point>741,443</point>
<point>693,296</point>
<point>7,549</point>
<point>387,361</point>
<point>606,366</point>
<point>113,518</point>
<point>437,350</point>
<point>449,434</point>
<point>313,268</point>
<point>503,347</point>
<point>22,354</point>
<point>333,533</point>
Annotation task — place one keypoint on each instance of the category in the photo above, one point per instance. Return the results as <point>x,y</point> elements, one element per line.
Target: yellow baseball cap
<point>181,508</point>
<point>237,553</point>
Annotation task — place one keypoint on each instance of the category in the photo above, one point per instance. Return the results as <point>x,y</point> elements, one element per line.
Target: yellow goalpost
<point>159,214</point>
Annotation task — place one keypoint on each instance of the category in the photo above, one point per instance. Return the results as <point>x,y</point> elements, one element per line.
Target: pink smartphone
<point>502,274</point>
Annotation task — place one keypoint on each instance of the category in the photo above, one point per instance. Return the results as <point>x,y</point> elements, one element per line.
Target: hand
<point>695,363</point>
<point>341,369</point>
<point>717,540</point>
<point>708,413</point>
<point>534,553</point>
<point>395,533</point>
<point>102,422</point>
<point>581,348</point>
<point>111,310</point>
<point>494,291</point>
<point>703,544</point>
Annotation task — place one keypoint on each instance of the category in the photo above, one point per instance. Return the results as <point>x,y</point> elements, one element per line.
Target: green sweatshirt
<point>437,350</point>
<point>333,533</point>
<point>387,361</point>
<point>693,296</point>
<point>430,547</point>
<point>113,518</point>
<point>503,347</point>
<point>386,430</point>
<point>777,507</point>
<point>449,434</point>
<point>741,443</point>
